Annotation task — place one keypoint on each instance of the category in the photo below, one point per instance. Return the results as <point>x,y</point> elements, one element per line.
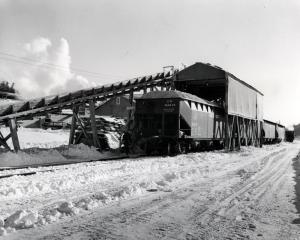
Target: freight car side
<point>173,121</point>
<point>280,133</point>
<point>272,132</point>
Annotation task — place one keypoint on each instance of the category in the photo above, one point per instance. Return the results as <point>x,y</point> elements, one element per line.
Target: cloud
<point>38,45</point>
<point>49,73</point>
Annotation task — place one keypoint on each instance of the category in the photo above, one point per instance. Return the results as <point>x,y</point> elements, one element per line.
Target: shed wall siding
<point>243,101</point>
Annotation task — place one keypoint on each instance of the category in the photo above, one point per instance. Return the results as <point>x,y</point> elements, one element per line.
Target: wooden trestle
<point>242,132</point>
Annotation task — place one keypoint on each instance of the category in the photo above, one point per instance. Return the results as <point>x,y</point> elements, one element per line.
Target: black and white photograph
<point>149,119</point>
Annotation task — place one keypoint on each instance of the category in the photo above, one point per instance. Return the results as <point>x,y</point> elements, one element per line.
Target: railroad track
<point>58,165</point>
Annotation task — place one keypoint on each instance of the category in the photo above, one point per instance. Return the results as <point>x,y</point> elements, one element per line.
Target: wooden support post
<point>14,135</point>
<point>246,132</point>
<point>227,139</point>
<point>260,134</point>
<point>252,133</point>
<point>238,133</point>
<point>93,124</point>
<point>233,131</point>
<point>257,133</point>
<point>229,136</point>
<point>215,129</point>
<point>73,125</point>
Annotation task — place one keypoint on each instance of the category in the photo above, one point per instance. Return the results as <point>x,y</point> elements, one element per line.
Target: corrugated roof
<point>176,94</point>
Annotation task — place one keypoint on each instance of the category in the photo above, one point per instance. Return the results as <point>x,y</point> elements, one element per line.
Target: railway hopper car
<point>272,132</point>
<point>175,121</point>
<point>280,133</point>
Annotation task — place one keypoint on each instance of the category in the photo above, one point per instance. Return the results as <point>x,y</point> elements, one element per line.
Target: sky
<point>55,46</point>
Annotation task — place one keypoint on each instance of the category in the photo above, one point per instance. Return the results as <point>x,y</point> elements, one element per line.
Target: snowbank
<point>37,157</point>
<point>65,154</point>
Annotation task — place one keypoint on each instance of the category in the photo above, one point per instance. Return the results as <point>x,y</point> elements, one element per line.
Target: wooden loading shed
<point>243,104</point>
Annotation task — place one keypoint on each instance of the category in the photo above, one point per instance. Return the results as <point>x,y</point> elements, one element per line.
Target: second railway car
<point>272,132</point>
<point>175,121</point>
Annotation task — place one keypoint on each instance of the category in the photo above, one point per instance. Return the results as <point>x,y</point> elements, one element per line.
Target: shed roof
<point>177,95</point>
<point>208,72</point>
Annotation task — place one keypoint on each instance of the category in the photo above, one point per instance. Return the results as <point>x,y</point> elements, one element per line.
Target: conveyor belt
<point>42,105</point>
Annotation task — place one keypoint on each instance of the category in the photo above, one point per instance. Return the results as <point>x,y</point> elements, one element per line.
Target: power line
<point>25,60</point>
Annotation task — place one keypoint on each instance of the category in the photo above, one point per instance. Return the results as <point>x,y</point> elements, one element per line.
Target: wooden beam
<point>7,137</point>
<point>3,141</point>
<point>93,124</point>
<point>82,127</point>
<point>14,135</point>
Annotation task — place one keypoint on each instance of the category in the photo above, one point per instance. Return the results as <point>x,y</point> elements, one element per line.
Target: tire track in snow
<point>250,184</point>
<point>272,172</point>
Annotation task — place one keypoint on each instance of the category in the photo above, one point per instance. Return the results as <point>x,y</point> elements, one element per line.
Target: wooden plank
<point>93,124</point>
<point>14,135</point>
<point>73,125</point>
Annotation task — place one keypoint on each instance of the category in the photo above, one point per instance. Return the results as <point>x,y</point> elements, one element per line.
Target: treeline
<point>7,90</point>
<point>6,87</point>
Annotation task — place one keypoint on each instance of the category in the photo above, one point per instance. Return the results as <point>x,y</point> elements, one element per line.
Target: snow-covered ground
<point>36,137</point>
<point>209,195</point>
<point>44,147</point>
